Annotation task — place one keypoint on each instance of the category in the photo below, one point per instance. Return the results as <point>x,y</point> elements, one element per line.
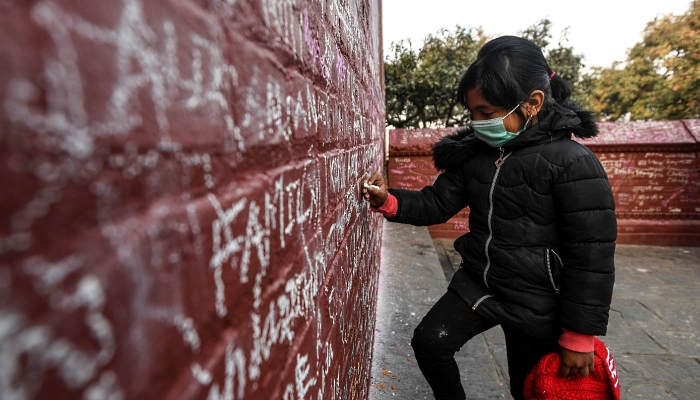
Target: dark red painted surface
<point>180,214</point>
<point>653,168</point>
<point>411,167</point>
<point>415,142</point>
<point>415,172</point>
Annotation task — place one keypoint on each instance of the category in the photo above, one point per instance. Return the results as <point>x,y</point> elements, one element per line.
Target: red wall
<point>180,216</point>
<point>653,167</point>
<point>654,170</point>
<point>411,167</point>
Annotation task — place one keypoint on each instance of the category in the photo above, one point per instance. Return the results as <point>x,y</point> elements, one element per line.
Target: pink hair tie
<point>552,75</point>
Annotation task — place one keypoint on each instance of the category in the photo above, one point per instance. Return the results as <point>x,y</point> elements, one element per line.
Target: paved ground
<point>653,330</point>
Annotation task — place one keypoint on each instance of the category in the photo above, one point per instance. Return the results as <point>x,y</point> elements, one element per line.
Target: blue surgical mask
<point>493,132</point>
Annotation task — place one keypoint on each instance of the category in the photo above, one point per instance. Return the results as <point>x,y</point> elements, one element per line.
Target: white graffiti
<point>235,365</point>
<point>40,346</point>
<point>106,388</point>
<point>303,381</point>
<point>300,219</point>
<point>140,64</point>
<point>200,374</point>
<point>281,16</point>
<point>292,212</point>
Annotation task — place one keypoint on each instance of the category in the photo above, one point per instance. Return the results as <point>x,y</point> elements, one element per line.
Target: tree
<point>660,80</point>
<point>421,86</point>
<point>561,59</point>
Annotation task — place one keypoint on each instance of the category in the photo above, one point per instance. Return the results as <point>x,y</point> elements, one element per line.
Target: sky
<point>601,30</point>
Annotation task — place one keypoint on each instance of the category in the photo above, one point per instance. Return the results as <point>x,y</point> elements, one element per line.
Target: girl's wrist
<point>389,208</point>
<point>578,342</point>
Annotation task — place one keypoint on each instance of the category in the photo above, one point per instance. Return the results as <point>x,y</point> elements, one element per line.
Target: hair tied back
<point>552,75</point>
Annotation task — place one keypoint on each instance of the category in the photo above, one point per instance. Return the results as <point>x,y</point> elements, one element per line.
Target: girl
<point>538,259</point>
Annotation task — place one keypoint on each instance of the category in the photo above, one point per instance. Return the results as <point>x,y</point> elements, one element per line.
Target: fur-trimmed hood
<point>454,150</point>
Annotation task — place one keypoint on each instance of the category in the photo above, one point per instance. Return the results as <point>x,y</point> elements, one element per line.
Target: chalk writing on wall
<point>653,182</point>
<point>185,205</point>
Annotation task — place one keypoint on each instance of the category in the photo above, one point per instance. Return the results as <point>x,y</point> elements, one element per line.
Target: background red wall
<point>653,168</point>
<point>410,166</point>
<point>180,216</point>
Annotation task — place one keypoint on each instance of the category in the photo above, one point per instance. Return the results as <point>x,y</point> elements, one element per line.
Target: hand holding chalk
<point>374,190</point>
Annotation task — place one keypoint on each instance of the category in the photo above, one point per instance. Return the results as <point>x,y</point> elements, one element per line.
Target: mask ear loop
<point>529,118</point>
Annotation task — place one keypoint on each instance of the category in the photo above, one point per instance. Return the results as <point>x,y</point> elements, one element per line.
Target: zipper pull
<point>500,160</point>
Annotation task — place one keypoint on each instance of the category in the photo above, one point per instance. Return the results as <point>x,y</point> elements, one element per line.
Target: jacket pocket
<point>480,300</point>
<point>554,267</point>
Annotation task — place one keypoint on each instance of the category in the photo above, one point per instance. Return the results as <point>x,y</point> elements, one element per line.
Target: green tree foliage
<point>660,80</point>
<point>561,59</point>
<point>421,85</point>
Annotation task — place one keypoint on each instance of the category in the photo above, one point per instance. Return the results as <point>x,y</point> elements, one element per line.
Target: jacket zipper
<point>501,160</point>
<point>480,300</point>
<point>549,270</point>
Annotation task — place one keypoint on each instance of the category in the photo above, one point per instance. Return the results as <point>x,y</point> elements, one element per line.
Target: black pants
<point>447,327</point>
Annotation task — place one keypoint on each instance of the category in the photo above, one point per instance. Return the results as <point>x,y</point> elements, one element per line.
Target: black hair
<point>507,70</point>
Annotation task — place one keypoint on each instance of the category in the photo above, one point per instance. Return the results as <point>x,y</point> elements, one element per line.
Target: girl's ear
<point>535,101</point>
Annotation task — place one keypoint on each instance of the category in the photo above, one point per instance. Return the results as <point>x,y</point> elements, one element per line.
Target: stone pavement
<point>653,330</point>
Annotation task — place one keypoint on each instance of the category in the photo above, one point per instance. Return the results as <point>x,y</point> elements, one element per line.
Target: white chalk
<point>368,186</point>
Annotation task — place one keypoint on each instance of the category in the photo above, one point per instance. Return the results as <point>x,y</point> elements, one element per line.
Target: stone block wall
<point>180,214</point>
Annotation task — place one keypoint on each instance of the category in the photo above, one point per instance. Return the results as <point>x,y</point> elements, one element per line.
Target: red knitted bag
<point>601,384</point>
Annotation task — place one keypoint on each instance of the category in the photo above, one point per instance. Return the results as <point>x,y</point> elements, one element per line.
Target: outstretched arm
<point>431,205</point>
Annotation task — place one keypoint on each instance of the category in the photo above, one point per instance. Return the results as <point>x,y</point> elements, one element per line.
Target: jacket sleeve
<point>433,204</point>
<point>588,225</point>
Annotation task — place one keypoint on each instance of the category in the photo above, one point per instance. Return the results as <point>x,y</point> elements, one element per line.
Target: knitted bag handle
<point>601,384</point>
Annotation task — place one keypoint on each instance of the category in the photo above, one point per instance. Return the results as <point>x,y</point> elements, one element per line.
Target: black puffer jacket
<point>540,252</point>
